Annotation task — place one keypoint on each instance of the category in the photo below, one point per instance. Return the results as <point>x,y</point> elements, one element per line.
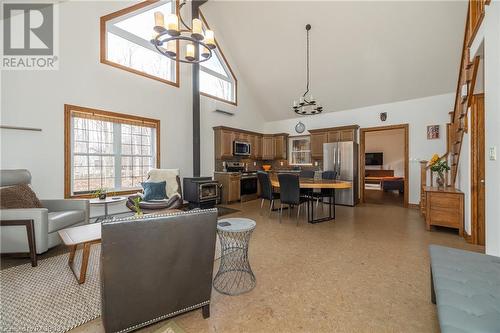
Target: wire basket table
<point>235,275</point>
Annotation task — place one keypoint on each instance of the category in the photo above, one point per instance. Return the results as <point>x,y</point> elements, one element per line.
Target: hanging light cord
<point>307,66</point>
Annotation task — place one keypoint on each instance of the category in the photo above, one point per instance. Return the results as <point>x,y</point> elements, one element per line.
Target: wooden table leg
<point>85,262</point>
<point>72,252</point>
<point>30,230</point>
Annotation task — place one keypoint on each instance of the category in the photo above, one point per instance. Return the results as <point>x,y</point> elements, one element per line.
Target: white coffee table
<point>106,202</point>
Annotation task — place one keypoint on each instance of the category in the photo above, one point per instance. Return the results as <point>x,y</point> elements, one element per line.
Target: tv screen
<point>374,159</point>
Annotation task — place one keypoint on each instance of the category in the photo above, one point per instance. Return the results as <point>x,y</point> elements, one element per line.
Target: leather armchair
<point>56,215</point>
<point>156,266</point>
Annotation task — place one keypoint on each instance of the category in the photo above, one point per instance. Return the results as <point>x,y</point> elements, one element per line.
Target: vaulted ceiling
<point>362,53</point>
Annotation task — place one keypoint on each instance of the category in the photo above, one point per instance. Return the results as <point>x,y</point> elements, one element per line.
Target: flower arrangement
<point>100,193</point>
<point>439,165</point>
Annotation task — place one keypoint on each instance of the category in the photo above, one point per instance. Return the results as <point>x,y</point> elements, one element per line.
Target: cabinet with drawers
<point>444,207</point>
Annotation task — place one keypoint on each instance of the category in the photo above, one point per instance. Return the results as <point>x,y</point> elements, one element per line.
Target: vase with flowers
<point>440,166</point>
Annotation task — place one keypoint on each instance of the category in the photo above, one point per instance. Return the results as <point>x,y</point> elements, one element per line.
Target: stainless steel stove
<point>248,183</point>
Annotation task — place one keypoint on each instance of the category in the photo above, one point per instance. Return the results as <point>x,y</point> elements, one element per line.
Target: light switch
<point>281,163</point>
<point>493,153</point>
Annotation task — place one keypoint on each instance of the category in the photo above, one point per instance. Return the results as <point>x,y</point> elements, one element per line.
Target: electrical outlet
<point>254,163</point>
<point>281,163</point>
<point>493,153</point>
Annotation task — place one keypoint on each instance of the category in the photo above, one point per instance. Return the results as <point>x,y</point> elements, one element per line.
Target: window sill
<point>115,193</point>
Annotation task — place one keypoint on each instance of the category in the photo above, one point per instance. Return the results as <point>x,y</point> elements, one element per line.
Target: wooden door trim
<point>362,133</point>
<point>477,169</point>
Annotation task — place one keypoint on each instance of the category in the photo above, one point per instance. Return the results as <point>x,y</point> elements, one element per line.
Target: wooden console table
<point>444,207</point>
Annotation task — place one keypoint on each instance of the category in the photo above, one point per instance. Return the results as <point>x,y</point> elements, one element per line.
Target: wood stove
<point>201,192</point>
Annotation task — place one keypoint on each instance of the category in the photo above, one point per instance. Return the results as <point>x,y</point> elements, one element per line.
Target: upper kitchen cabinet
<point>268,147</point>
<point>223,143</point>
<point>333,134</point>
<point>280,146</point>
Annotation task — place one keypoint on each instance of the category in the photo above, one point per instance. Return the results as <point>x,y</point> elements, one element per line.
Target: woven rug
<point>47,298</point>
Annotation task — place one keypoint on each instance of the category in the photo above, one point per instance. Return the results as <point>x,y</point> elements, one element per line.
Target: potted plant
<point>137,207</point>
<point>100,193</point>
<point>439,165</point>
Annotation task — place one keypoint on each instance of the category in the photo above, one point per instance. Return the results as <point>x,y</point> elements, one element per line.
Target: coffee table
<point>106,202</point>
<point>84,235</point>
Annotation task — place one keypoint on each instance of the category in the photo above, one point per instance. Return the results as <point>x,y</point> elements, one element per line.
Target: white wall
<point>392,144</point>
<point>489,34</point>
<point>418,113</point>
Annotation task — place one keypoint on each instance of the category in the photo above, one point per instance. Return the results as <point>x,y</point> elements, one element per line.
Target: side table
<point>105,202</point>
<point>235,275</point>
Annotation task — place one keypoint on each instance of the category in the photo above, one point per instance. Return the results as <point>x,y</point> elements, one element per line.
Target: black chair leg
<point>205,310</point>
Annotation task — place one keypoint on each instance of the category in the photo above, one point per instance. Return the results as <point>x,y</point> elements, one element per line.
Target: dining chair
<point>266,190</point>
<point>325,192</point>
<point>290,193</point>
<point>306,174</point>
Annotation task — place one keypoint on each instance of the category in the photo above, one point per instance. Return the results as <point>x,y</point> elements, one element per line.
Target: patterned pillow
<point>18,196</point>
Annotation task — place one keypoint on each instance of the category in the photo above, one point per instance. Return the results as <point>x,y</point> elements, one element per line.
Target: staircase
<point>457,126</point>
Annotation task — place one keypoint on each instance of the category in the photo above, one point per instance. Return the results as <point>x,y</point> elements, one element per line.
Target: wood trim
<point>478,171</point>
<point>204,20</point>
<point>362,133</point>
<point>414,206</point>
<point>102,51</point>
<point>68,108</point>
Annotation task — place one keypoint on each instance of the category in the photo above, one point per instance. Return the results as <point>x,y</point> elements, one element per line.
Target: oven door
<point>248,185</point>
<point>241,148</point>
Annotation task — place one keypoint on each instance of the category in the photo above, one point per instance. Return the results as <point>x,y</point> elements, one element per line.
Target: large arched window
<point>125,41</point>
<point>217,79</point>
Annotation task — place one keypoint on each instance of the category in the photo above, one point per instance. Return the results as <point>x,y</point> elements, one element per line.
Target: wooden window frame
<point>103,49</point>
<point>68,108</point>
<point>235,103</point>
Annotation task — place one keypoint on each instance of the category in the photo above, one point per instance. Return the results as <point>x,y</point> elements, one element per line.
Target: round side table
<point>106,202</point>
<point>235,275</point>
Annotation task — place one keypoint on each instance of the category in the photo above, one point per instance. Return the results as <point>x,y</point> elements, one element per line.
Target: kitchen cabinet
<point>258,147</point>
<point>280,146</point>
<point>267,147</point>
<point>223,143</point>
<point>333,136</point>
<point>348,135</point>
<point>230,186</point>
<point>317,141</point>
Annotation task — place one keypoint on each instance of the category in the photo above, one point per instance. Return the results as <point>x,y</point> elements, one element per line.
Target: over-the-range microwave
<point>241,148</point>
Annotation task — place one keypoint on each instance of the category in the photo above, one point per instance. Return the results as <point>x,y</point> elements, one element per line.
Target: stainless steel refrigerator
<point>342,157</point>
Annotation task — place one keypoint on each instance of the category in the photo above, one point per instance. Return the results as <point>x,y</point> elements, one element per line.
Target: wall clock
<point>300,127</point>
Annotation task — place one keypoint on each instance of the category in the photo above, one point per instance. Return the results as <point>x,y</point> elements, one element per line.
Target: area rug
<point>47,298</point>
<point>170,327</point>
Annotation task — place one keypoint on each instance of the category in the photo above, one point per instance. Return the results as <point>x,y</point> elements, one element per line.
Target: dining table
<point>312,184</point>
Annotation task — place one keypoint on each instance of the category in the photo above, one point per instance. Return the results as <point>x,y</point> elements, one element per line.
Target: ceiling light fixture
<point>167,33</point>
<point>307,105</point>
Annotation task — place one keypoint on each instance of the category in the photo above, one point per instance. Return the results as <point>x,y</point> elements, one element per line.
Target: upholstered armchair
<point>156,266</point>
<point>173,191</point>
<point>45,222</point>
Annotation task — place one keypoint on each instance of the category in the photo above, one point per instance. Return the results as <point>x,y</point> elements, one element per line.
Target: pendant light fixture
<point>167,33</point>
<point>307,105</point>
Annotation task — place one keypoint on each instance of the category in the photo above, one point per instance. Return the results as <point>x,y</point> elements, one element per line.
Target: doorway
<point>384,165</point>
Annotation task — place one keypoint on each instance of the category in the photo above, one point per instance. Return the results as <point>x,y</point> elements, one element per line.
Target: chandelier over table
<point>307,105</point>
<point>167,34</point>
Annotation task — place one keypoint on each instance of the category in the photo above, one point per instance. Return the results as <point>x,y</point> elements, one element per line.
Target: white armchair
<point>45,222</point>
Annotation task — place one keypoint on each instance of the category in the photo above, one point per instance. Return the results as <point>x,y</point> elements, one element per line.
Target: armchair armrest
<point>58,205</point>
<point>15,240</point>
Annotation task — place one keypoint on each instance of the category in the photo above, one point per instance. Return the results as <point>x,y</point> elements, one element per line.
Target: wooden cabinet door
<point>280,147</point>
<point>333,136</point>
<point>347,135</point>
<point>257,148</point>
<point>267,148</point>
<point>226,147</point>
<point>317,140</point>
<point>234,188</point>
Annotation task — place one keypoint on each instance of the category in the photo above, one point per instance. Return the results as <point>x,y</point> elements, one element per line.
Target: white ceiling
<point>362,53</point>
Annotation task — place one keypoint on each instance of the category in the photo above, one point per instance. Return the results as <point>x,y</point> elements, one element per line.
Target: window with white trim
<point>216,78</point>
<point>128,42</point>
<point>300,150</point>
<point>109,151</point>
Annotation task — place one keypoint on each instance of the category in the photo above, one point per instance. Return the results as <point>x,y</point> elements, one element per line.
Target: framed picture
<point>432,132</point>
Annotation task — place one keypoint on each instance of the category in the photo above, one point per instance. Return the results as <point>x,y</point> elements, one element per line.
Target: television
<point>374,159</point>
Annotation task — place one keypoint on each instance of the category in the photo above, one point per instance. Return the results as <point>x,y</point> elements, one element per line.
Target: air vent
<point>227,113</point>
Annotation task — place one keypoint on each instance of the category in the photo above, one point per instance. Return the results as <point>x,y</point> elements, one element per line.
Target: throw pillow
<point>18,196</point>
<point>154,191</point>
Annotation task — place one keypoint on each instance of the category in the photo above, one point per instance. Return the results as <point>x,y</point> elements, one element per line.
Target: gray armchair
<point>45,222</point>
